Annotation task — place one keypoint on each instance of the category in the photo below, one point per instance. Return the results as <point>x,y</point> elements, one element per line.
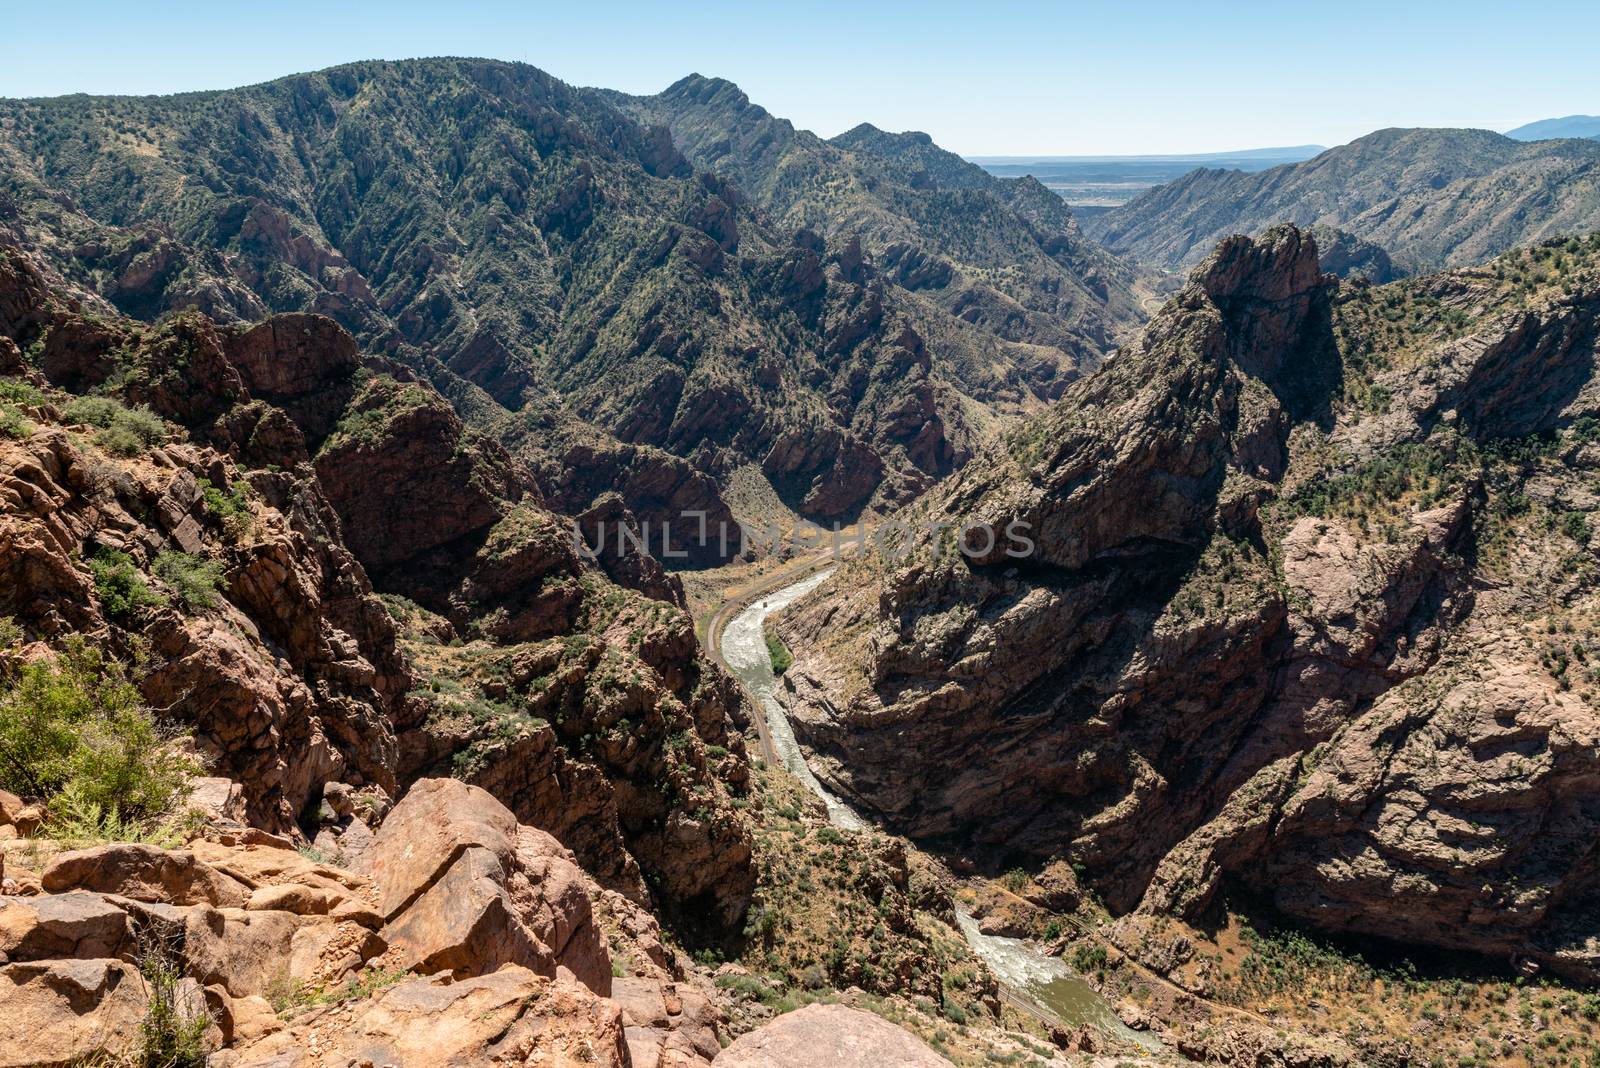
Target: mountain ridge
<point>1430,198</point>
<point>550,262</point>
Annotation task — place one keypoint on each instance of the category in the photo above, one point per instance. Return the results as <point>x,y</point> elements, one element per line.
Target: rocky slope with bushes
<point>320,737</point>
<point>1308,616</point>
<point>551,264</point>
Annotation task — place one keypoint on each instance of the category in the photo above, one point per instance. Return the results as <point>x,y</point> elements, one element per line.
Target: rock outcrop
<point>477,936</point>
<point>1279,624</point>
<point>464,890</point>
<point>291,672</point>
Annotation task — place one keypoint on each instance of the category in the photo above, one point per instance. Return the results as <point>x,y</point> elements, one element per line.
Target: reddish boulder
<point>143,873</point>
<point>63,1012</point>
<point>835,1035</point>
<point>464,889</point>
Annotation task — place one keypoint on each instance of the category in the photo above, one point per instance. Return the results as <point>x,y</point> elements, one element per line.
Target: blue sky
<point>995,78</point>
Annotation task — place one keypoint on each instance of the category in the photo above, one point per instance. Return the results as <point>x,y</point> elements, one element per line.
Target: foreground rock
<point>65,1012</point>
<point>463,889</point>
<point>510,1016</point>
<point>476,936</point>
<point>832,1035</point>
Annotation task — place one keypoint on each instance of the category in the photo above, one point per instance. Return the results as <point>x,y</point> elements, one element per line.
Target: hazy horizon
<point>1019,80</point>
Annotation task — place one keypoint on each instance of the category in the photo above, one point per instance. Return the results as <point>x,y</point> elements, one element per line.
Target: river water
<point>744,647</point>
<point>1049,982</point>
<point>1046,981</point>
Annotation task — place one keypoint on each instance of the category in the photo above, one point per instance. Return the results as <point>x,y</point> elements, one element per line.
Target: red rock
<point>64,1012</point>
<point>833,1035</point>
<point>144,873</point>
<point>62,925</point>
<point>464,889</point>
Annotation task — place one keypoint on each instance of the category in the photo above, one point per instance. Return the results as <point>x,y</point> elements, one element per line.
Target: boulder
<point>62,1012</point>
<point>10,806</point>
<point>266,861</point>
<point>143,873</point>
<point>666,1023</point>
<point>833,1035</point>
<point>219,800</point>
<point>246,953</point>
<point>464,889</point>
<point>294,897</point>
<point>249,953</point>
<point>61,925</point>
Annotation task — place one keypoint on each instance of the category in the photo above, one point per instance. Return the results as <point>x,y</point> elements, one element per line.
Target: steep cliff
<point>1306,611</point>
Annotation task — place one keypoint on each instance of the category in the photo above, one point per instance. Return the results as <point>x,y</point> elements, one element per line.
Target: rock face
<point>831,1035</point>
<point>1274,626</point>
<point>293,676</point>
<point>1348,256</point>
<point>290,676</point>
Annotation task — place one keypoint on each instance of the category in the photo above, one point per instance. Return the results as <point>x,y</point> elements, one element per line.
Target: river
<point>1046,982</point>
<point>1049,983</point>
<point>744,647</point>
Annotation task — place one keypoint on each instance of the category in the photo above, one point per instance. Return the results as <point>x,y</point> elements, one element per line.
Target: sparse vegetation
<point>13,394</point>
<point>172,1033</point>
<point>77,734</point>
<point>120,430</point>
<point>195,580</point>
<point>121,586</point>
<point>229,507</point>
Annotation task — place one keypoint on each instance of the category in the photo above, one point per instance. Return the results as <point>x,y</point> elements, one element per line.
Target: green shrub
<point>10,633</point>
<point>1088,957</point>
<point>78,728</point>
<point>1575,525</point>
<point>120,586</point>
<point>13,424</point>
<point>16,391</point>
<point>172,1033</point>
<point>79,823</point>
<point>121,430</point>
<point>1014,880</point>
<point>231,508</point>
<point>194,579</point>
<point>777,651</point>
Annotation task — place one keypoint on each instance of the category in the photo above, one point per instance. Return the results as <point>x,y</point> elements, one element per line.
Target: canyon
<point>337,731</point>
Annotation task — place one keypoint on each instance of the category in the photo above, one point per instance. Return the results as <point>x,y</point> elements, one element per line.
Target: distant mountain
<point>1430,198</point>
<point>1286,154</point>
<point>844,320</point>
<point>999,269</point>
<point>1547,129</point>
<point>1091,184</point>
